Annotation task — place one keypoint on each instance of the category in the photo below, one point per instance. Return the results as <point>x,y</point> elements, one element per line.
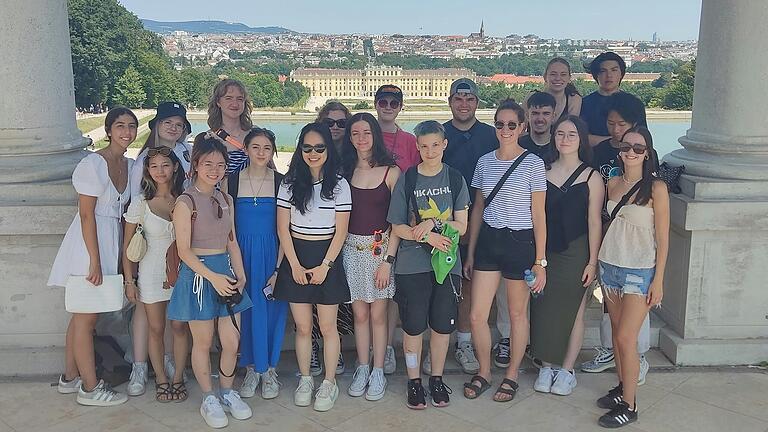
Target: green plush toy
<point>443,262</point>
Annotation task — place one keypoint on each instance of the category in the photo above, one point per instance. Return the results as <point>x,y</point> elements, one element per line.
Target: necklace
<point>257,192</point>
<point>624,177</point>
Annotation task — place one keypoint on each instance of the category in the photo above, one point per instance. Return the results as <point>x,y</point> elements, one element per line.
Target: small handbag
<point>81,296</point>
<point>172,263</point>
<point>137,247</point>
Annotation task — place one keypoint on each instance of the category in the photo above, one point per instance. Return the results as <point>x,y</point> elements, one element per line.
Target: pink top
<point>211,228</point>
<point>403,146</point>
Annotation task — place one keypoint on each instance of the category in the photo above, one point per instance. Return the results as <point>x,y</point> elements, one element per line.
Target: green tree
<point>161,82</point>
<point>197,85</point>
<point>129,90</point>
<point>362,105</point>
<point>679,94</point>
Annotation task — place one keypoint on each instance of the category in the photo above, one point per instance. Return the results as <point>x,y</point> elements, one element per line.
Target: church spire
<point>482,28</point>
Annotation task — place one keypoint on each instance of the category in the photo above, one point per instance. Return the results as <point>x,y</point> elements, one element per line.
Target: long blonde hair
<point>214,112</point>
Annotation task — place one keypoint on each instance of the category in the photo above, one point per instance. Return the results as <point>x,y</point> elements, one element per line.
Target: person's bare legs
<point>70,365</point>
<point>438,350</point>
<point>612,301</point>
<point>302,316</point>
<point>518,295</point>
<point>412,346</point>
<point>155,313</point>
<point>202,338</point>
<point>229,337</point>
<point>180,349</point>
<point>379,310</point>
<point>485,284</point>
<point>634,309</point>
<point>84,356</point>
<point>139,333</point>
<point>362,313</point>
<point>326,317</point>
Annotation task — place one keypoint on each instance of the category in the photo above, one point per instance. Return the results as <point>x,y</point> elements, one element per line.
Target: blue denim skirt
<point>623,280</point>
<point>195,299</point>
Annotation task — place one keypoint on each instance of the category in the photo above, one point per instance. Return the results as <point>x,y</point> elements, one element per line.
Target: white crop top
<point>320,217</point>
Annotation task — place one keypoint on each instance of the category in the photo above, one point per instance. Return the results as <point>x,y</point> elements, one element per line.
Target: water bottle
<point>530,280</point>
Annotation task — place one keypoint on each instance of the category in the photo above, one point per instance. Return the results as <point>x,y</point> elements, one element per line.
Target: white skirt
<point>360,265</point>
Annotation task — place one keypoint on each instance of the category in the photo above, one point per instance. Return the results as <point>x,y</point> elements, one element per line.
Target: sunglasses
<point>637,148</point>
<point>319,148</point>
<point>162,151</point>
<point>384,103</point>
<point>340,123</point>
<point>219,210</point>
<point>500,125</point>
<point>269,134</point>
<point>378,241</point>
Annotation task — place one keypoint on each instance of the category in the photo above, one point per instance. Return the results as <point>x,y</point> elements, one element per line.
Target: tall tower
<point>482,29</point>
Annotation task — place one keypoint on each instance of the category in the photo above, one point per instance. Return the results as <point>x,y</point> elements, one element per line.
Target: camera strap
<point>237,328</point>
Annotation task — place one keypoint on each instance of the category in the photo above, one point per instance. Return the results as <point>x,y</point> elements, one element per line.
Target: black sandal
<point>163,392</point>
<point>478,390</point>
<point>179,391</point>
<point>512,391</point>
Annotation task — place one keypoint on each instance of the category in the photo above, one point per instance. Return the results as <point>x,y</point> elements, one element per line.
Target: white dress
<point>91,177</point>
<point>159,235</point>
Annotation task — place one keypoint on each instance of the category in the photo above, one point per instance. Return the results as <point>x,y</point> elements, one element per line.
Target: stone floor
<point>680,400</point>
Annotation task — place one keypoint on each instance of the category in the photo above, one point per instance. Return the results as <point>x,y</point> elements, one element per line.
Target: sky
<point>575,19</point>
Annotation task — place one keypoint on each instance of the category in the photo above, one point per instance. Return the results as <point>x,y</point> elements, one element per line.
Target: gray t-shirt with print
<point>434,199</point>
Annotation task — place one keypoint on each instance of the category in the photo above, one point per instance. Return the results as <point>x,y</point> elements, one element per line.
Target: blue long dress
<point>263,325</point>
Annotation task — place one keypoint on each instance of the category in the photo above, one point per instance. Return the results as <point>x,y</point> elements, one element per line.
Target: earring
<point>647,157</point>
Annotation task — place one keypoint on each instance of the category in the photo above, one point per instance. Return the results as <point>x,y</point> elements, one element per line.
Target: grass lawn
<point>90,123</point>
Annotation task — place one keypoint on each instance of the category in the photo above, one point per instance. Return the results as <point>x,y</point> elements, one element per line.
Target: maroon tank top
<point>369,208</point>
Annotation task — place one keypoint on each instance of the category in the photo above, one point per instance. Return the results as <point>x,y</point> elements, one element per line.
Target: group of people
<point>371,225</point>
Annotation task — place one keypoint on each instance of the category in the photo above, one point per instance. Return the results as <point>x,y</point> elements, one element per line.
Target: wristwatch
<point>389,259</point>
<point>541,262</point>
<point>438,225</point>
<point>328,262</point>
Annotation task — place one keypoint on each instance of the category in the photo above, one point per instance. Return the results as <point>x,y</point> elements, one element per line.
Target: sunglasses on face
<point>319,148</point>
<point>378,241</point>
<point>384,103</point>
<point>163,151</point>
<point>510,125</point>
<point>637,148</point>
<point>340,123</point>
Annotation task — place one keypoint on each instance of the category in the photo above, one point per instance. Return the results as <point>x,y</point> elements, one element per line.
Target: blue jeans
<point>622,280</point>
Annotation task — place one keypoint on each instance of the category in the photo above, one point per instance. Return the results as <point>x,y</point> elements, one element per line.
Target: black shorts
<point>502,249</point>
<point>332,291</point>
<point>422,301</point>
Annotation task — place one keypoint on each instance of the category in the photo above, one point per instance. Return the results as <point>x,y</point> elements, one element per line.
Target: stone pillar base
<point>715,302</point>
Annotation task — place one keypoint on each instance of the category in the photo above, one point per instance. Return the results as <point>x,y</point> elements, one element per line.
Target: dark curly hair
<point>380,155</point>
<point>299,178</point>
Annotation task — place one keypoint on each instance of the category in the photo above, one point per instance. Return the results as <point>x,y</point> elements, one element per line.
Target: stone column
<point>39,147</point>
<point>716,300</point>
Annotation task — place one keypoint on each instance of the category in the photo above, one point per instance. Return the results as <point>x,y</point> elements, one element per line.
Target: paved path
<point>681,400</point>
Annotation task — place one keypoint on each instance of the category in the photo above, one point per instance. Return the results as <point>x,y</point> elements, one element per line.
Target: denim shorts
<point>626,280</point>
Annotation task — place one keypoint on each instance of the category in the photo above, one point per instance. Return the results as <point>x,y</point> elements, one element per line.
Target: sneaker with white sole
<point>68,387</point>
<point>250,383</point>
<point>390,361</point>
<point>465,356</point>
<point>303,395</point>
<point>543,383</point>
<point>377,385</point>
<point>644,367</point>
<point>340,367</point>
<point>426,365</point>
<point>565,382</point>
<point>501,359</point>
<point>137,384</point>
<point>231,402</point>
<point>619,416</point>
<point>270,386</point>
<point>326,396</point>
<point>359,381</point>
<point>315,367</point>
<point>213,413</point>
<point>101,395</point>
<point>603,360</point>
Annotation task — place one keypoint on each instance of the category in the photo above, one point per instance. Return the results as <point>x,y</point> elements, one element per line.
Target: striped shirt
<point>511,207</point>
<point>237,161</point>
<point>320,217</point>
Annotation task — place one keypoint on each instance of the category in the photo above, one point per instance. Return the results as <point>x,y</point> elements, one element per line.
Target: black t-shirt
<point>594,111</point>
<point>529,144</point>
<point>466,147</point>
<point>605,159</point>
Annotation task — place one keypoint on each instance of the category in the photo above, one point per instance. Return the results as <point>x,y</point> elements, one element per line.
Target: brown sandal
<point>163,392</point>
<point>477,390</point>
<point>511,391</point>
<point>179,391</point>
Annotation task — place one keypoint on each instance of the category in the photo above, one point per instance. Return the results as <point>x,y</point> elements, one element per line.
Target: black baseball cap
<point>170,109</point>
<point>389,90</point>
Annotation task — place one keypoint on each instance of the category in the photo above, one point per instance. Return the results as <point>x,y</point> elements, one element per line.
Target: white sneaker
<point>303,395</point>
<point>326,396</point>
<point>390,361</point>
<point>565,382</point>
<point>543,383</point>
<point>213,413</point>
<point>250,383</point>
<point>465,356</point>
<point>231,402</point>
<point>644,367</point>
<point>270,386</point>
<point>426,365</point>
<point>377,384</point>
<point>68,387</point>
<point>137,384</point>
<point>359,381</point>
<point>101,395</point>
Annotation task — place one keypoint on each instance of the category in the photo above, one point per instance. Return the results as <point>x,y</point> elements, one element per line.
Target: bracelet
<point>129,282</point>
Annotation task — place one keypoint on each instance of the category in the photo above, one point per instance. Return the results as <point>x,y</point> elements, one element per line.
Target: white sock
<point>463,337</point>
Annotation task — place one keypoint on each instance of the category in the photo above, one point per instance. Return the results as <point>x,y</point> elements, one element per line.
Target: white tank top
<point>631,239</point>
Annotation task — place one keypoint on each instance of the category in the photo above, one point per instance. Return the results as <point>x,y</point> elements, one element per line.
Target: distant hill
<point>208,27</point>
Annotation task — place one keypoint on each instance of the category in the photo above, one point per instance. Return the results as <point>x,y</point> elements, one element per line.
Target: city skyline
<point>679,20</point>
